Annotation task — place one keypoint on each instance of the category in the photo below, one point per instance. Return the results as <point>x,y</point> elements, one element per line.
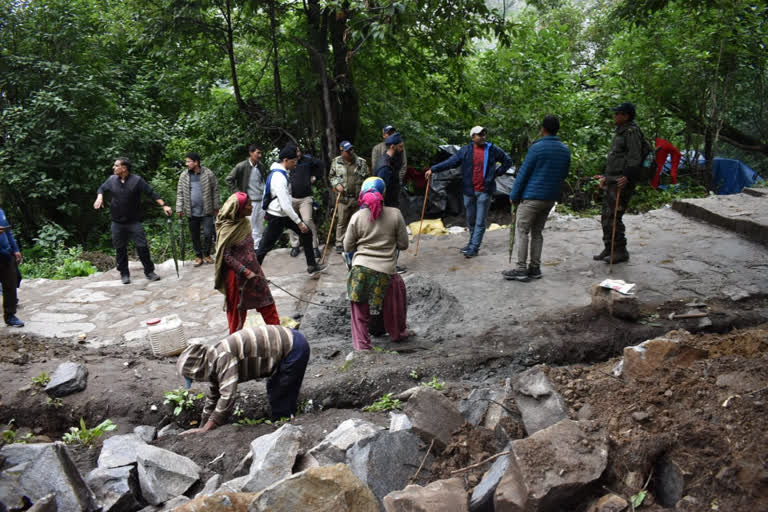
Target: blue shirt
<point>7,242</point>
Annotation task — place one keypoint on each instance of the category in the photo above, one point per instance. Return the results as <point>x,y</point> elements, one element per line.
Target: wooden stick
<point>473,466</point>
<point>330,228</point>
<point>423,209</point>
<point>613,234</point>
<point>422,462</point>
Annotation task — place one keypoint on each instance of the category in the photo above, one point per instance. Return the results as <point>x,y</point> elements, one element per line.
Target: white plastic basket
<point>167,338</point>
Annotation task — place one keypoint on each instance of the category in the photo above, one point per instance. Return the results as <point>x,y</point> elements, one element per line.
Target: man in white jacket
<point>279,210</point>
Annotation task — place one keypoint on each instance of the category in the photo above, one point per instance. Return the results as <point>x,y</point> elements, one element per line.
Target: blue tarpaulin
<point>729,176</point>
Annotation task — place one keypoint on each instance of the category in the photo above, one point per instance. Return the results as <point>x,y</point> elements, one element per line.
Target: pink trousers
<point>394,310</point>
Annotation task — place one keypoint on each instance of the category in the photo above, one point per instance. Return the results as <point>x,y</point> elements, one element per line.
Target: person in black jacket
<point>307,172</point>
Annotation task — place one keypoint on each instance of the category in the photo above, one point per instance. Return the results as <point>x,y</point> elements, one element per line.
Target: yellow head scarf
<point>230,230</point>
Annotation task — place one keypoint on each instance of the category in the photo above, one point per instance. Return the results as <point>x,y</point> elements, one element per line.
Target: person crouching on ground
<point>238,274</point>
<point>270,351</point>
<point>374,235</point>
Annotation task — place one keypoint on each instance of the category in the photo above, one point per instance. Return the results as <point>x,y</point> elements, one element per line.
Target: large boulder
<point>322,489</point>
<point>45,504</point>
<point>116,489</point>
<point>551,466</point>
<point>439,496</point>
<point>540,405</point>
<point>120,450</point>
<point>33,471</point>
<point>433,416</point>
<point>163,475</point>
<point>387,460</point>
<point>273,457</point>
<point>68,378</point>
<point>219,502</point>
<point>333,449</point>
<point>615,304</point>
<point>482,495</point>
<point>669,351</point>
<point>473,407</point>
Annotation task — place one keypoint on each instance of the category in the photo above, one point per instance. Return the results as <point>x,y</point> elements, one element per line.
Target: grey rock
<point>169,430</point>
<point>385,461</point>
<point>433,416</point>
<point>482,494</point>
<point>496,411</point>
<point>273,457</point>
<point>234,485</point>
<point>439,496</point>
<point>37,470</point>
<point>116,489</point>
<point>537,400</point>
<point>119,451</point>
<point>399,421</point>
<point>333,449</point>
<point>175,502</point>
<point>163,475</point>
<point>473,407</point>
<point>210,486</point>
<point>640,416</point>
<point>68,378</point>
<point>244,465</point>
<point>146,433</point>
<point>585,413</point>
<point>670,482</point>
<point>45,504</point>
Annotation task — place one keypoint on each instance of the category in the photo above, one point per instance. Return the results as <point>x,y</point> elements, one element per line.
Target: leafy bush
<point>182,399</point>
<point>385,403</point>
<point>434,384</point>
<point>56,263</point>
<point>85,435</point>
<point>646,198</point>
<point>10,436</point>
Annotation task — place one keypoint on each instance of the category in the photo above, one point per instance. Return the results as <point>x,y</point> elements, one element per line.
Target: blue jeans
<point>283,387</point>
<point>477,212</point>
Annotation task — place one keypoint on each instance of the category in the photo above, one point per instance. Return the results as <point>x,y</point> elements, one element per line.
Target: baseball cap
<point>395,138</point>
<point>476,130</point>
<point>626,108</point>
<point>388,128</point>
<point>346,145</point>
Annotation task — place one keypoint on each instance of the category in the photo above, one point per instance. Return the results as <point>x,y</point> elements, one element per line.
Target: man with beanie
<point>387,169</point>
<point>347,174</point>
<point>381,148</point>
<point>537,186</point>
<point>279,210</point>
<point>270,351</point>
<point>478,161</point>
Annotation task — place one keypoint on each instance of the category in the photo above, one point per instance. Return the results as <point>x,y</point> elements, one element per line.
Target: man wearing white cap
<point>478,165</point>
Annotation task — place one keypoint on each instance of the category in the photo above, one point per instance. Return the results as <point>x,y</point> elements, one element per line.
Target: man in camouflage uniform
<point>347,174</point>
<point>622,170</point>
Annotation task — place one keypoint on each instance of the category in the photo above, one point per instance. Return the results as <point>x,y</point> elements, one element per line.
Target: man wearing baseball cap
<point>622,169</point>
<point>478,161</point>
<point>348,171</point>
<point>381,148</point>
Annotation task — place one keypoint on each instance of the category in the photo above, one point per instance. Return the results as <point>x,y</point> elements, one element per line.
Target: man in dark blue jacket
<point>537,187</point>
<point>10,257</point>
<point>478,164</point>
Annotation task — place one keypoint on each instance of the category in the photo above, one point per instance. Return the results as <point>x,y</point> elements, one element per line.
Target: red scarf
<point>372,200</point>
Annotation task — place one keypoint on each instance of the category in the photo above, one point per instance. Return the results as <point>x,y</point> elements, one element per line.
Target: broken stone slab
<point>333,449</point>
<point>45,504</point>
<point>399,421</point>
<point>552,465</point>
<point>163,475</point>
<point>273,457</point>
<point>169,430</point>
<point>473,407</point>
<point>641,361</point>
<point>496,409</point>
<point>439,496</point>
<point>116,489</point>
<point>538,401</point>
<point>482,495</point>
<point>210,486</point>
<point>739,293</point>
<point>618,305</point>
<point>387,460</point>
<point>174,504</point>
<point>146,433</point>
<point>119,450</point>
<point>37,470</point>
<point>68,378</point>
<point>433,416</point>
<point>408,393</point>
<point>220,502</point>
<point>340,489</point>
<point>234,485</point>
<point>609,503</point>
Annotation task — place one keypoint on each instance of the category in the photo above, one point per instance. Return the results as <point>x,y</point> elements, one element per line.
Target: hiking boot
<point>619,256</point>
<point>318,254</point>
<point>197,262</point>
<point>153,277</point>
<point>208,259</point>
<point>13,321</point>
<point>534,272</point>
<point>464,249</point>
<point>598,257</point>
<point>317,268</point>
<point>516,274</point>
<point>295,252</point>
<point>125,278</point>
<point>471,253</point>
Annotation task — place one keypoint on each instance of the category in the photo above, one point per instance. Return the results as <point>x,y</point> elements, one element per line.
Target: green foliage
<point>434,384</point>
<point>85,435</point>
<point>383,351</point>
<point>41,380</point>
<point>54,402</point>
<point>181,399</point>
<point>385,403</point>
<point>260,421</point>
<point>414,375</point>
<point>56,263</point>
<point>646,198</point>
<point>10,436</point>
<point>637,499</point>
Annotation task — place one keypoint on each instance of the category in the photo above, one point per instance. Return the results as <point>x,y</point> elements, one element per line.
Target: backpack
<point>648,167</point>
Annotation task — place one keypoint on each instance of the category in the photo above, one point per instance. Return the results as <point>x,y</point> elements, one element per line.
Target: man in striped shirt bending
<point>270,351</point>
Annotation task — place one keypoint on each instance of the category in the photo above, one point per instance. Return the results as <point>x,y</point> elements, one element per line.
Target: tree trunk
<point>279,106</point>
<point>347,114</point>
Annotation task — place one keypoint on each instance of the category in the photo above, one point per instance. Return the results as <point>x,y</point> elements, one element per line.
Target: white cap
<point>475,130</point>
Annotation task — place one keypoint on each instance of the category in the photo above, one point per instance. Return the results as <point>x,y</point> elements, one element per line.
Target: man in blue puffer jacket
<point>478,164</point>
<point>10,256</point>
<point>537,187</point>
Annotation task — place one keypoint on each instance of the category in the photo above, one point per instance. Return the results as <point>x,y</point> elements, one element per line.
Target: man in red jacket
<point>665,148</point>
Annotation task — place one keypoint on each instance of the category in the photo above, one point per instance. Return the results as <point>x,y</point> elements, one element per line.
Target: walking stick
<point>330,228</point>
<point>613,234</point>
<point>183,248</point>
<point>423,209</point>
<point>513,212</point>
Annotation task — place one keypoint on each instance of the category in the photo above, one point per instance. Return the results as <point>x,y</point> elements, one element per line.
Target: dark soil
<point>100,260</point>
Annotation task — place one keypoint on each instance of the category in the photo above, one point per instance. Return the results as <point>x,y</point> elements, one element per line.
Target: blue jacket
<point>7,243</point>
<point>543,171</point>
<point>493,155</point>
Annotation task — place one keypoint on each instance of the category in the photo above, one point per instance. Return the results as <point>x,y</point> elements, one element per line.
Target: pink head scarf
<point>242,199</point>
<point>372,200</point>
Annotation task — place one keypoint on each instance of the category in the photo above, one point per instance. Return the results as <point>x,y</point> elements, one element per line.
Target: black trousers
<point>275,227</point>
<point>9,281</point>
<point>201,248</point>
<point>124,233</point>
<point>283,387</point>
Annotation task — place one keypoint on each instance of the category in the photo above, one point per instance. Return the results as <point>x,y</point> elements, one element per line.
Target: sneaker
<point>602,255</point>
<point>516,275</point>
<point>464,249</point>
<point>197,262</point>
<point>339,249</point>
<point>125,278</point>
<point>208,259</point>
<point>13,321</point>
<point>401,269</point>
<point>318,254</point>
<point>534,272</point>
<point>317,268</point>
<point>295,252</point>
<point>619,256</point>
<point>153,277</point>
<point>471,253</point>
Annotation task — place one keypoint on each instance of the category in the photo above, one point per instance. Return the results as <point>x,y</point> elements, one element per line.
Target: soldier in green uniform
<point>348,171</point>
<point>622,170</point>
